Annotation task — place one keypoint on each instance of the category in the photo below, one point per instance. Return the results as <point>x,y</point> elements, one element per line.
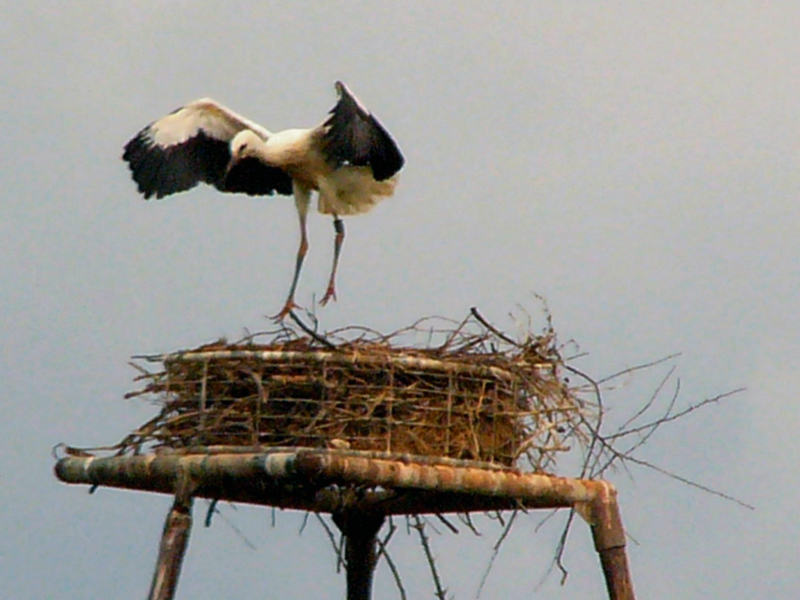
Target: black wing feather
<point>354,136</point>
<point>160,171</point>
<point>251,176</point>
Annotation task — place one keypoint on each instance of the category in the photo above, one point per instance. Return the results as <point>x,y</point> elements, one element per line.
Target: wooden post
<point>609,541</point>
<point>174,541</point>
<point>360,531</point>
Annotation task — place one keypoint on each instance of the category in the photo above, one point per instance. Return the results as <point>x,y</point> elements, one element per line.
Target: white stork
<point>349,159</point>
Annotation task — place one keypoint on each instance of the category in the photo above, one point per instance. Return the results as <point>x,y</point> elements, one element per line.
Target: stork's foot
<point>287,308</point>
<point>330,294</point>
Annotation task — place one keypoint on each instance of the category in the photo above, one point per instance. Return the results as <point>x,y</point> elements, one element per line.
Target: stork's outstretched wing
<point>353,136</point>
<point>192,145</point>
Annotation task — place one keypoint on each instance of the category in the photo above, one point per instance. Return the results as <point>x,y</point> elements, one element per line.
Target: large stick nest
<point>468,392</point>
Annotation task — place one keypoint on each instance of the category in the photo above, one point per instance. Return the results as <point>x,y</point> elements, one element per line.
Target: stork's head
<point>245,143</point>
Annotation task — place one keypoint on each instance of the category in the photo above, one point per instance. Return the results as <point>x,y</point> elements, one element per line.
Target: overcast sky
<point>635,165</point>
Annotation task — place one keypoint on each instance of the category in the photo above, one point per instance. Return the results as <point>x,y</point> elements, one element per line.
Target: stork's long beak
<point>228,169</point>
<point>231,162</point>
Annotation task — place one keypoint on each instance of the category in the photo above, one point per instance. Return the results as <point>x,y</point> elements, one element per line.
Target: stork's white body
<point>349,159</point>
<point>342,191</point>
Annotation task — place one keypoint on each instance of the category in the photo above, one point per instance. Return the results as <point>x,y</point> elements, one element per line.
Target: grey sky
<point>636,165</point>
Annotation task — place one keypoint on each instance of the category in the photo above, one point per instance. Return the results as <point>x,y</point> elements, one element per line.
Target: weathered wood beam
<point>174,541</point>
<point>609,541</point>
<point>338,357</point>
<point>301,480</point>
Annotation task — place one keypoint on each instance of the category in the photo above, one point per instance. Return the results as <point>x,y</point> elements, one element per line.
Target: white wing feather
<point>216,120</point>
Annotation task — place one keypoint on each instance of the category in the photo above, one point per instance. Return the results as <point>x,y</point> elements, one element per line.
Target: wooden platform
<point>358,488</point>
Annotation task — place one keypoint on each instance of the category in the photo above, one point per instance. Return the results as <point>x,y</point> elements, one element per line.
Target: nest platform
<point>473,397</point>
<point>362,426</point>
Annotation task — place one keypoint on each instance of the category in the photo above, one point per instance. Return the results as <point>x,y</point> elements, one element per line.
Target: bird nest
<point>468,392</point>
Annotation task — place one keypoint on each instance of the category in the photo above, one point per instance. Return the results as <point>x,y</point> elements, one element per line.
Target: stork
<point>349,159</point>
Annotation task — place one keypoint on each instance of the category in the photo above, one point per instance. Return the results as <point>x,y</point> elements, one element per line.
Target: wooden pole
<point>174,541</point>
<point>360,531</point>
<point>609,541</point>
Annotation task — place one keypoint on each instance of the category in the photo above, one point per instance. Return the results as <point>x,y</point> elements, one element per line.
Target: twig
<point>304,523</point>
<point>545,519</point>
<point>650,402</point>
<point>492,328</point>
<point>497,516</point>
<point>562,545</point>
<point>496,551</point>
<point>650,428</point>
<point>689,482</point>
<point>626,455</point>
<point>453,335</point>
<point>321,339</point>
<point>447,523</point>
<point>212,508</point>
<point>419,525</point>
<point>559,553</point>
<point>678,414</point>
<point>594,429</point>
<point>383,551</point>
<point>640,367</point>
<point>235,529</point>
<point>337,546</point>
<point>387,537</point>
<point>655,426</point>
<point>466,518</point>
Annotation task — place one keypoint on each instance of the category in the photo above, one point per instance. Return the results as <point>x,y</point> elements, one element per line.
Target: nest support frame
<point>362,430</point>
<point>358,489</point>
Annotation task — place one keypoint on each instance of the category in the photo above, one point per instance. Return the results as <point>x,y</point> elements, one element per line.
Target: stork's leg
<point>302,198</point>
<point>338,225</point>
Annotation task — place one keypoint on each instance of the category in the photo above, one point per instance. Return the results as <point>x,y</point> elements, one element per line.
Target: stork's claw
<point>287,308</point>
<point>330,294</point>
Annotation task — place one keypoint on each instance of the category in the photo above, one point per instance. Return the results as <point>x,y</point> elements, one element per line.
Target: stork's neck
<point>288,147</point>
